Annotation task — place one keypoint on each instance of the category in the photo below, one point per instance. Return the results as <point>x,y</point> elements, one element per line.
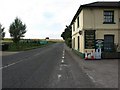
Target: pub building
<point>97,26</point>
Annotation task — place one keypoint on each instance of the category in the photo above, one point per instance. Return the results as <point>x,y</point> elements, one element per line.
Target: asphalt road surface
<point>48,67</point>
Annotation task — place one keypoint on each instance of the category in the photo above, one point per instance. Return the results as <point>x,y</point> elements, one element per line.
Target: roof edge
<point>89,6</point>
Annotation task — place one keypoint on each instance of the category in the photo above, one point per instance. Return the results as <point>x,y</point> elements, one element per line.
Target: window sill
<point>109,23</point>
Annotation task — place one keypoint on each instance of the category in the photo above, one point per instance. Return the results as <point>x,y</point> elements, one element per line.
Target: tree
<point>67,36</point>
<point>2,33</point>
<point>17,30</point>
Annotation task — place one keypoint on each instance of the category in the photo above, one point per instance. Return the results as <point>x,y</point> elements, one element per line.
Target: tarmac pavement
<point>102,72</point>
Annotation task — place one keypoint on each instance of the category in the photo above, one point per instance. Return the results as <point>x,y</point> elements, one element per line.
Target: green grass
<point>7,41</point>
<point>25,46</point>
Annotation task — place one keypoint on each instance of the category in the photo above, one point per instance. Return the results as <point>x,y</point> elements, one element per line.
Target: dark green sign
<point>99,43</point>
<point>90,39</point>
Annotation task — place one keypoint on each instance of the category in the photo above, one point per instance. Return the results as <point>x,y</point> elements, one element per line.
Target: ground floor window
<point>108,43</point>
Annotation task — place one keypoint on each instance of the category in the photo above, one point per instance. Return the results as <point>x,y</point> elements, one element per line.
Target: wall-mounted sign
<point>99,44</point>
<point>89,39</point>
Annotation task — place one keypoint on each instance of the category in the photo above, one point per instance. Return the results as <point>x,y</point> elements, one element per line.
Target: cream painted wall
<point>119,26</point>
<point>75,42</point>
<point>80,24</point>
<point>81,44</point>
<point>93,19</point>
<point>119,31</point>
<point>81,21</point>
<point>100,34</point>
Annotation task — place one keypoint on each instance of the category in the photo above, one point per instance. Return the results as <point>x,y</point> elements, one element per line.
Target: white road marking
<point>18,61</point>
<point>63,65</point>
<point>91,77</point>
<point>62,61</point>
<point>60,68</point>
<point>14,63</point>
<point>63,57</point>
<point>59,76</point>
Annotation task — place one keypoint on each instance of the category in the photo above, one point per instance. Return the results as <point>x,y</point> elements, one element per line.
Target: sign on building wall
<point>89,39</point>
<point>99,44</point>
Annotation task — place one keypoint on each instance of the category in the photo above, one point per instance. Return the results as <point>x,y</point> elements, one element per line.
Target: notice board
<point>89,39</point>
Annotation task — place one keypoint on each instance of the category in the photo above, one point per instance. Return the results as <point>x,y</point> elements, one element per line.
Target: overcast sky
<point>44,18</point>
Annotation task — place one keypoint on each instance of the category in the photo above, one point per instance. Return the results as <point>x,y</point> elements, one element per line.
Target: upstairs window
<point>73,26</point>
<point>108,17</point>
<point>78,22</point>
<point>78,43</point>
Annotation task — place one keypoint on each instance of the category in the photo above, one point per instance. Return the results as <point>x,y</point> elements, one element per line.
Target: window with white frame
<point>73,26</point>
<point>108,17</point>
<point>78,22</point>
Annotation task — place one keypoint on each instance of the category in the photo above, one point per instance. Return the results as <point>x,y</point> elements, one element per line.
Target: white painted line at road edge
<point>13,63</point>
<point>17,62</point>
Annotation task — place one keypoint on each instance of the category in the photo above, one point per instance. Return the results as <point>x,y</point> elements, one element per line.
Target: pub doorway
<point>108,43</point>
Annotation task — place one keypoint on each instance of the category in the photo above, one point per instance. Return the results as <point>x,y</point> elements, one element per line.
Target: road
<point>48,67</point>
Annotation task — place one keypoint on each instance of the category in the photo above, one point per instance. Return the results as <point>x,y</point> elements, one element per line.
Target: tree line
<point>67,36</point>
<point>16,29</point>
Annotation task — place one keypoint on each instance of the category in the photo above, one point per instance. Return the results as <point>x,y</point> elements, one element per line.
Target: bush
<point>69,42</point>
<point>5,47</point>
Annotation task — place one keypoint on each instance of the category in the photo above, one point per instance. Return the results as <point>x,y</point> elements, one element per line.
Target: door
<point>108,43</point>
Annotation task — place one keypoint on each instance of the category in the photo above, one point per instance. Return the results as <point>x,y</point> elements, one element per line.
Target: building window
<point>78,22</point>
<point>73,26</point>
<point>108,17</point>
<point>78,43</point>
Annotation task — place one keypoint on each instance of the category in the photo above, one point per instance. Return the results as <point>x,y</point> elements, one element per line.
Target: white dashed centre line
<point>59,76</point>
<point>63,57</point>
<point>62,61</point>
<point>60,68</point>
